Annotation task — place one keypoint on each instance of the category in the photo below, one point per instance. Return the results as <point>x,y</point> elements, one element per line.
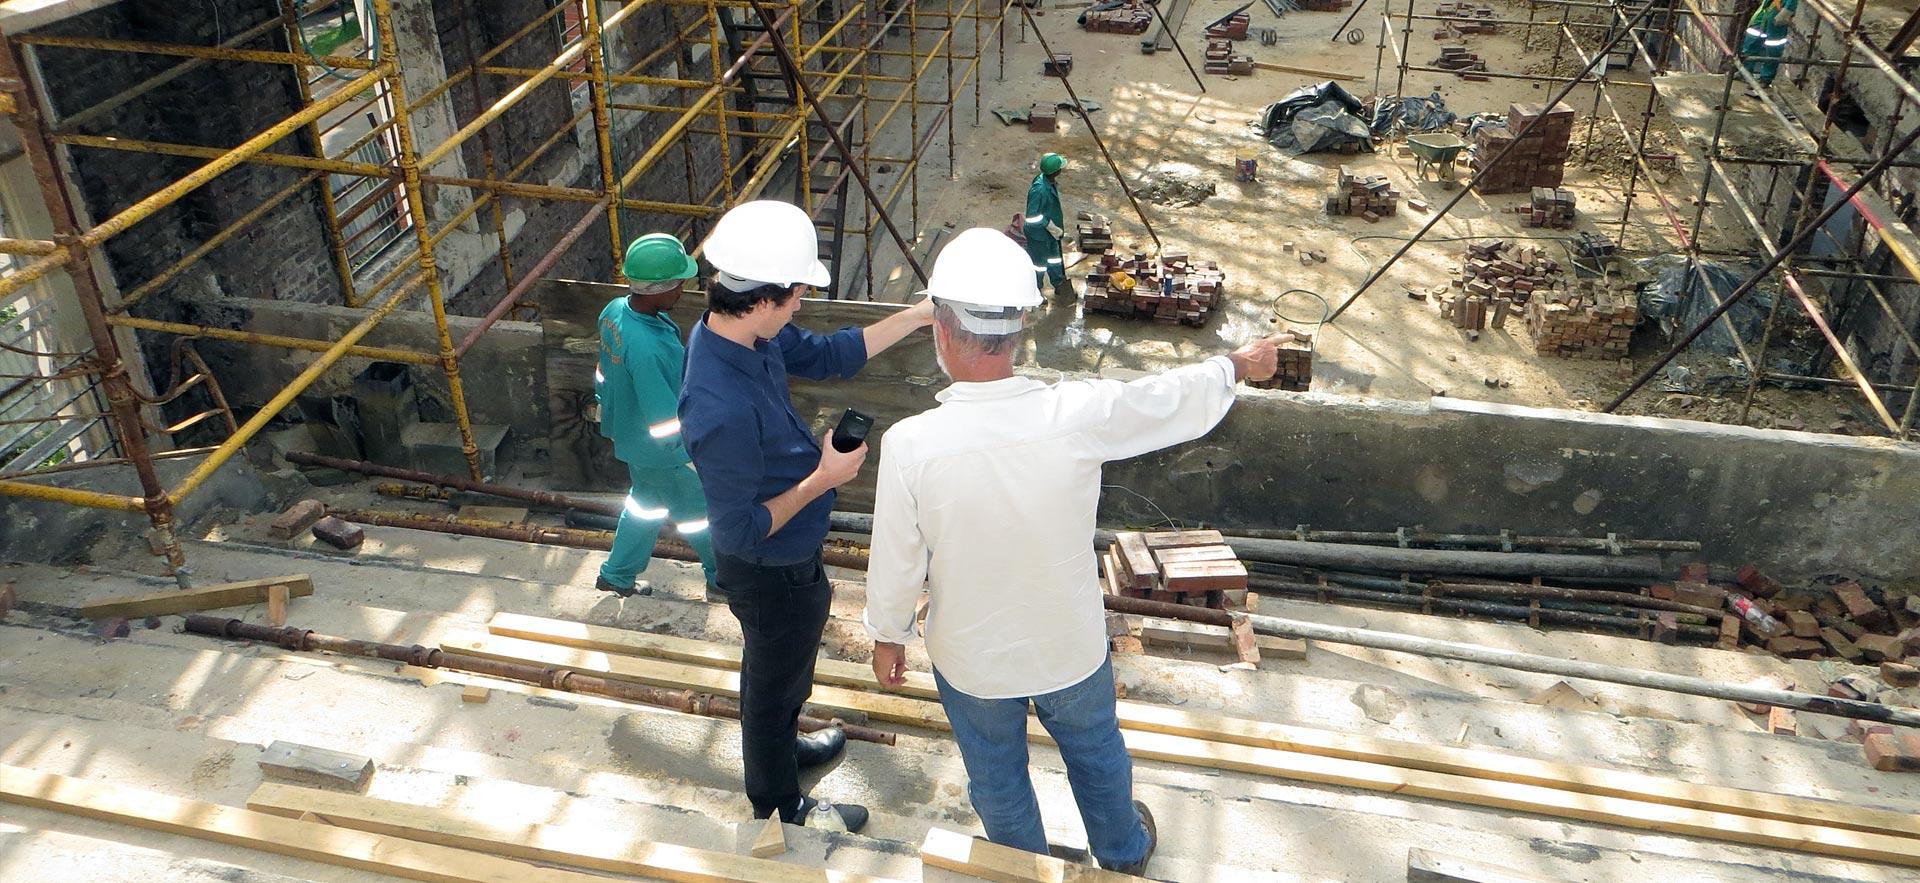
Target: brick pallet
<point>1551,207</point>
<point>1221,59</point>
<point>1369,196</point>
<point>1459,60</point>
<point>1043,118</point>
<point>1133,18</point>
<point>1538,160</point>
<point>1592,320</point>
<point>1168,290</point>
<point>1295,371</point>
<point>1234,28</point>
<point>1193,567</point>
<point>1094,232</point>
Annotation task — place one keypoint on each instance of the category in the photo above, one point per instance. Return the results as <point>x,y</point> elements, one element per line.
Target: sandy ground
<point>1155,119</point>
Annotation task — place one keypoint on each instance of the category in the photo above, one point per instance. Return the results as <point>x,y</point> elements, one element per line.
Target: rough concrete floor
<point>187,715</point>
<point>1156,120</point>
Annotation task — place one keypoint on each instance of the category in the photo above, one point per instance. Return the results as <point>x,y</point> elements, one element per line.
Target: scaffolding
<point>1694,75</point>
<point>777,74</point>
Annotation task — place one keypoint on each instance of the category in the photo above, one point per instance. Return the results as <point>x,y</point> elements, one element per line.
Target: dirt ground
<point>1156,120</point>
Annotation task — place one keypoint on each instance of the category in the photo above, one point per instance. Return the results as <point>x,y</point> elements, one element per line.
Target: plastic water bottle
<point>823,817</point>
<point>1754,616</point>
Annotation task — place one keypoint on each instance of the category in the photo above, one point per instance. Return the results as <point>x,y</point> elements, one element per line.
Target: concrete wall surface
<point>57,533</point>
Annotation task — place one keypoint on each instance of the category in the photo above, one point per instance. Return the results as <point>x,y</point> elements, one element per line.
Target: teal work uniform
<point>1766,38</point>
<point>1043,208</point>
<point>638,382</point>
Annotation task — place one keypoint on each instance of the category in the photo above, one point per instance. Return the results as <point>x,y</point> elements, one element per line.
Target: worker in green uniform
<point>1042,226</point>
<point>638,382</point>
<point>1766,38</point>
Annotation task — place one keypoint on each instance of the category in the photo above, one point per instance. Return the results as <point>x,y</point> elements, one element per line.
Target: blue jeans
<point>993,741</point>
<point>655,496</point>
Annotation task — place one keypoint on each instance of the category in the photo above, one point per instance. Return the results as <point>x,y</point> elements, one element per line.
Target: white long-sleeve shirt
<point>987,503</point>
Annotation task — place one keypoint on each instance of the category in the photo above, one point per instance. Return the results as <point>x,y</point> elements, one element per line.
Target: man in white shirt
<point>986,503</point>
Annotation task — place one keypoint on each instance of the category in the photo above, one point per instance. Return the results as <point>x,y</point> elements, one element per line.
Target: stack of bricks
<point>1168,290</point>
<point>1462,62</point>
<point>1495,277</point>
<point>1538,160</point>
<point>1043,118</point>
<point>1133,18</point>
<point>1324,5</point>
<point>1295,367</point>
<point>1464,18</point>
<point>1551,207</point>
<point>1233,27</point>
<point>1595,247</point>
<point>1221,59</point>
<point>1369,196</point>
<point>1094,232</point>
<point>1588,320</point>
<point>1193,567</point>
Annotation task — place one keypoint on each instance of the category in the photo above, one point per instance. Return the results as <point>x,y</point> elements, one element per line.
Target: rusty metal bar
<point>365,467</point>
<point>533,275</point>
<point>548,677</point>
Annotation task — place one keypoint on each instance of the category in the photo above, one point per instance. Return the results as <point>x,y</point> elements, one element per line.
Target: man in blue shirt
<point>638,384</point>
<point>769,483</point>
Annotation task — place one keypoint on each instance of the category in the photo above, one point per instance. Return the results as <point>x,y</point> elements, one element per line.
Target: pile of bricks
<point>1538,160</point>
<point>1595,247</point>
<point>1221,59</point>
<point>1588,320</point>
<point>1464,18</point>
<point>1193,567</point>
<point>1551,207</point>
<point>1495,277</point>
<point>1094,232</point>
<point>1462,62</point>
<point>1370,196</point>
<point>1234,27</point>
<point>1168,290</point>
<point>1133,18</point>
<point>1295,371</point>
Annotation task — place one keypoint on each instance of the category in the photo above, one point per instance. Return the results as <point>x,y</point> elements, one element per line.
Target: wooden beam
<point>1467,788</point>
<point>253,591</point>
<point>1307,71</point>
<point>1149,717</point>
<point>960,853</point>
<point>254,830</point>
<point>584,846</point>
<point>1196,634</point>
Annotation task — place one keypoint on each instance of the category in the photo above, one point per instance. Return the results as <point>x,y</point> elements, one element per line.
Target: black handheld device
<point>852,431</point>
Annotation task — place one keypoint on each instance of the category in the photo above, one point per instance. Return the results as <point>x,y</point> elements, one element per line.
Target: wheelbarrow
<point>1437,151</point>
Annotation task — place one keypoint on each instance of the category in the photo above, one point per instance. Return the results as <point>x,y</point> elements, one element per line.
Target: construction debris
<point>1460,61</point>
<point>338,532</point>
<point>1131,18</point>
<point>1168,289</point>
<point>1295,367</point>
<point>1093,232</point>
<point>1221,59</point>
<point>1230,27</point>
<point>316,766</point>
<point>1464,18</point>
<point>1193,567</point>
<point>1369,196</point>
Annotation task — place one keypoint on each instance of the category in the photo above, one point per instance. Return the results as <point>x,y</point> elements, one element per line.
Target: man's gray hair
<point>949,316</point>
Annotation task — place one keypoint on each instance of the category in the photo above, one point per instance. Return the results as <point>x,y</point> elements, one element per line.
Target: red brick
<point>1893,752</point>
<point>1757,583</point>
<point>1128,645</point>
<point>1137,569</point>
<point>1666,627</point>
<point>1174,539</point>
<point>1855,599</point>
<point>1693,573</point>
<point>1729,633</point>
<point>339,533</point>
<point>1841,647</point>
<point>1802,623</point>
<point>1899,674</point>
<point>1245,644</point>
<point>1195,553</point>
<point>1791,646</point>
<point>1879,648</point>
<point>1860,729</point>
<point>1200,576</point>
<point>297,518</point>
<point>1699,594</point>
<point>1663,591</point>
<point>1781,722</point>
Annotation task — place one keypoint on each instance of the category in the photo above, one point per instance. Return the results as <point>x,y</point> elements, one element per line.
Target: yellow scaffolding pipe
<point>213,53</point>
<point>72,496</point>
<point>303,344</point>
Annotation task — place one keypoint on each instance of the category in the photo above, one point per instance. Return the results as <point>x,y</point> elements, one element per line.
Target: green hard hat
<point>658,257</point>
<point>1052,163</point>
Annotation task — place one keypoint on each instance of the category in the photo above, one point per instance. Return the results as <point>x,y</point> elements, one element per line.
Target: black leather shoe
<point>818,747</point>
<point>639,587</point>
<point>852,817</point>
<point>1139,868</point>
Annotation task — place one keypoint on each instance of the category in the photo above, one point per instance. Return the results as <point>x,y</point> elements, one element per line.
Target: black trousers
<point>782,610</point>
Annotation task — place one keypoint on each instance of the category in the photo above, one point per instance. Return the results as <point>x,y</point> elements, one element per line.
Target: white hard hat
<point>988,280</point>
<point>766,242</point>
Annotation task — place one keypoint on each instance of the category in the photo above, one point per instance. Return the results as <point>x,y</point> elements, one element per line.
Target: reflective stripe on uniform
<point>1035,219</point>
<point>1053,260</point>
<point>665,428</point>
<point>692,526</point>
<point>636,510</point>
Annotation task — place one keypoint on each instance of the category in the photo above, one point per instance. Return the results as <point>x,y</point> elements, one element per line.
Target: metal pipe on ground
<point>1611,603</point>
<point>1390,559</point>
<point>1566,668</point>
<point>1481,608</point>
<point>544,498</point>
<point>308,640</point>
<point>1595,544</point>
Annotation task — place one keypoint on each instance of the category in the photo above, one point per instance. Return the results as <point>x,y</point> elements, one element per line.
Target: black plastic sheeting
<point>1316,118</point>
<point>1393,116</point>
<point>1678,301</point>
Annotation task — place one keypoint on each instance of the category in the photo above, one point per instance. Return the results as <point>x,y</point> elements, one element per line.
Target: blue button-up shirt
<point>746,441</point>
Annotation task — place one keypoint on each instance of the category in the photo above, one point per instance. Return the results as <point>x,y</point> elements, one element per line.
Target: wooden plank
<point>1307,71</point>
<point>1484,764</point>
<point>1431,867</point>
<point>278,595</point>
<point>1195,553</point>
<point>584,846</point>
<point>963,854</point>
<point>253,591</point>
<point>761,838</point>
<point>1138,569</point>
<point>1175,539</point>
<point>837,672</point>
<point>324,843</point>
<point>318,766</point>
<point>1195,634</point>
